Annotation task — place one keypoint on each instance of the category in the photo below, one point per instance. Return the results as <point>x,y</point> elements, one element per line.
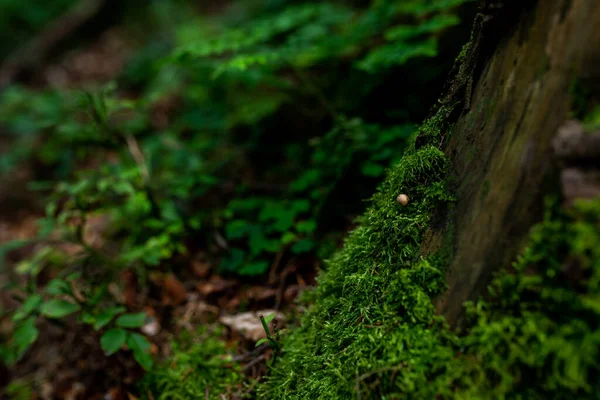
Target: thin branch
<point>138,157</point>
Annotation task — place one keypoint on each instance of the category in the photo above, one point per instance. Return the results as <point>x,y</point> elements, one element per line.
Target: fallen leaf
<point>215,285</point>
<point>173,290</point>
<point>201,269</point>
<point>129,288</point>
<point>114,393</point>
<point>261,293</point>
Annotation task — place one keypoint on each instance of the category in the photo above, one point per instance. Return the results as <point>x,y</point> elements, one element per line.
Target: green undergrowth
<point>371,330</point>
<point>201,367</point>
<point>245,136</point>
<point>20,21</point>
<point>537,336</point>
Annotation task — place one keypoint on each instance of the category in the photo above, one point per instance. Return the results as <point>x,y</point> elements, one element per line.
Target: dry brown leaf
<point>173,290</point>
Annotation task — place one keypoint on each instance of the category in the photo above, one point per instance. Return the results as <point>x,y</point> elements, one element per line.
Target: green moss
<point>592,119</point>
<point>538,335</point>
<point>19,389</point>
<point>462,56</point>
<point>372,331</point>
<point>200,364</point>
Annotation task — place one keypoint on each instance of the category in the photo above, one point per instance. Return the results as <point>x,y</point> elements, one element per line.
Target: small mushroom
<point>402,199</point>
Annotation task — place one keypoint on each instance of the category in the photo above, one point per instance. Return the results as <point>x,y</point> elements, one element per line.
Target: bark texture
<point>516,101</point>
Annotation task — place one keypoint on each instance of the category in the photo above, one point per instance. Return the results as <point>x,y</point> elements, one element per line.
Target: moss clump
<point>372,332</point>
<point>538,336</point>
<point>199,365</point>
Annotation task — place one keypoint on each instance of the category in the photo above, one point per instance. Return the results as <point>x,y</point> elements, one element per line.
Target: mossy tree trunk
<point>516,88</point>
<point>499,142</point>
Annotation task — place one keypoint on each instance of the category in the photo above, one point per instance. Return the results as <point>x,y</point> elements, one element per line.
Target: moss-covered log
<point>476,180</point>
<point>502,158</point>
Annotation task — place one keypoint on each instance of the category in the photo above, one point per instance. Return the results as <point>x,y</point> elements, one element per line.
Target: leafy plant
<point>63,298</point>
<point>273,339</point>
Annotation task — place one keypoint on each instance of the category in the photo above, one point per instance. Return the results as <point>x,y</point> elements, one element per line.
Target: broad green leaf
<point>112,340</point>
<point>306,226</point>
<point>302,246</point>
<point>105,316</point>
<point>236,229</point>
<point>140,346</point>
<point>131,320</point>
<point>288,237</point>
<point>57,308</point>
<point>25,335</point>
<point>87,318</point>
<point>254,268</point>
<point>57,287</point>
<point>261,341</point>
<point>30,305</point>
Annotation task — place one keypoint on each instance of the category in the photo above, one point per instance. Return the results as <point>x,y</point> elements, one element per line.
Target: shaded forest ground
<point>224,167</point>
<point>192,296</point>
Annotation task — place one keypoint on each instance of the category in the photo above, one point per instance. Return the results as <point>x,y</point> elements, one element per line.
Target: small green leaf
<point>140,346</point>
<point>288,237</point>
<point>57,287</point>
<point>302,246</point>
<point>104,317</point>
<point>138,341</point>
<point>98,294</point>
<point>254,268</point>
<point>25,335</point>
<point>112,340</point>
<point>74,276</point>
<point>269,318</point>
<point>261,341</point>
<point>57,308</point>
<point>131,320</point>
<point>87,318</point>
<point>237,229</point>
<point>29,306</point>
<point>306,226</point>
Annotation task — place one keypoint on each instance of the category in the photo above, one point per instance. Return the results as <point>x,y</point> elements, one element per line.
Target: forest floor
<point>61,367</point>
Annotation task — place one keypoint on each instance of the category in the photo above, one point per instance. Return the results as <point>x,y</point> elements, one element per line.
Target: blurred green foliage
<point>201,366</point>
<point>251,133</point>
<point>21,20</point>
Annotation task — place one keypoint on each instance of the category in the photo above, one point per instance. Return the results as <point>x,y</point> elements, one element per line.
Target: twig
<point>257,360</point>
<point>248,355</point>
<point>138,157</point>
<point>274,266</point>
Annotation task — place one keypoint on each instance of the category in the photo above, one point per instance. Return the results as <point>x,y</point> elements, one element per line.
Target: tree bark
<point>522,61</point>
